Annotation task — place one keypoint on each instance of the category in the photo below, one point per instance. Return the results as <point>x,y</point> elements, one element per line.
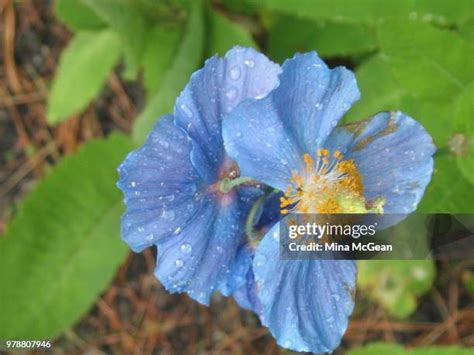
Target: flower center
<point>328,184</point>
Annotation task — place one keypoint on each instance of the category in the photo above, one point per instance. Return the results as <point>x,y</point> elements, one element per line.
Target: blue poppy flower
<point>290,141</point>
<point>179,189</point>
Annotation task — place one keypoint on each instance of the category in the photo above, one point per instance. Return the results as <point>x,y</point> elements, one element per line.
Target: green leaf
<point>129,23</point>
<point>241,6</point>
<point>394,349</point>
<point>187,59</point>
<point>78,15</point>
<point>448,191</point>
<point>371,11</point>
<point>225,34</point>
<point>162,43</point>
<point>428,62</point>
<point>63,247</point>
<point>395,284</point>
<point>467,30</point>
<point>292,34</point>
<point>380,90</point>
<point>463,118</point>
<point>83,69</point>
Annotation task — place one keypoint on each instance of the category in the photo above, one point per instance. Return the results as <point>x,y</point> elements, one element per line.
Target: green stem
<point>251,218</point>
<point>226,185</point>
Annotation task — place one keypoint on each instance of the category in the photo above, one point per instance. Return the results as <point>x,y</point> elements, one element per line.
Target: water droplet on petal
<point>168,214</point>
<point>260,260</point>
<point>249,62</point>
<point>187,111</point>
<point>179,263</point>
<point>234,73</point>
<point>186,248</point>
<point>231,93</point>
<point>133,184</point>
<point>177,230</point>
<point>164,144</point>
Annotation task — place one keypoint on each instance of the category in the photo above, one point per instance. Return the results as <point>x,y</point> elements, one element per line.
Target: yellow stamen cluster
<point>325,185</point>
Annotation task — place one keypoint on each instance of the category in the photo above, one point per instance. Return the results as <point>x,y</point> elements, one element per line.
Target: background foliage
<point>411,55</point>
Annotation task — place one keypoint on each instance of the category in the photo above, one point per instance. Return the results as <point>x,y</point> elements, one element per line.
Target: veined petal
<point>246,295</point>
<point>269,137</point>
<point>394,155</point>
<point>160,185</point>
<point>311,98</point>
<point>214,91</point>
<point>305,303</point>
<point>255,137</point>
<point>205,254</point>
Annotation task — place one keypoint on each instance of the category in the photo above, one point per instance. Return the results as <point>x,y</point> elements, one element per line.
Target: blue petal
<point>255,137</point>
<point>269,137</point>
<point>312,98</point>
<point>305,303</point>
<point>214,91</point>
<point>246,296</point>
<point>394,155</point>
<point>160,186</point>
<point>205,254</point>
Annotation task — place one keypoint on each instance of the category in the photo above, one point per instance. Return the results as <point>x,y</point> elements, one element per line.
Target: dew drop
<point>133,184</point>
<point>187,111</point>
<point>231,93</point>
<point>164,144</point>
<point>249,62</point>
<point>234,73</point>
<point>168,214</point>
<point>260,260</point>
<point>179,263</point>
<point>319,106</point>
<point>177,231</point>
<point>186,248</point>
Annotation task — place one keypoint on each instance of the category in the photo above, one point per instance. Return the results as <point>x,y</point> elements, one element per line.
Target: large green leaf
<point>395,349</point>
<point>63,246</point>
<point>380,90</point>
<point>78,15</point>
<point>225,34</point>
<point>428,62</point>
<point>187,59</point>
<point>162,43</point>
<point>291,34</point>
<point>373,10</point>
<point>464,125</point>
<point>467,30</point>
<point>395,284</point>
<point>129,23</point>
<point>83,69</point>
<point>448,191</point>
